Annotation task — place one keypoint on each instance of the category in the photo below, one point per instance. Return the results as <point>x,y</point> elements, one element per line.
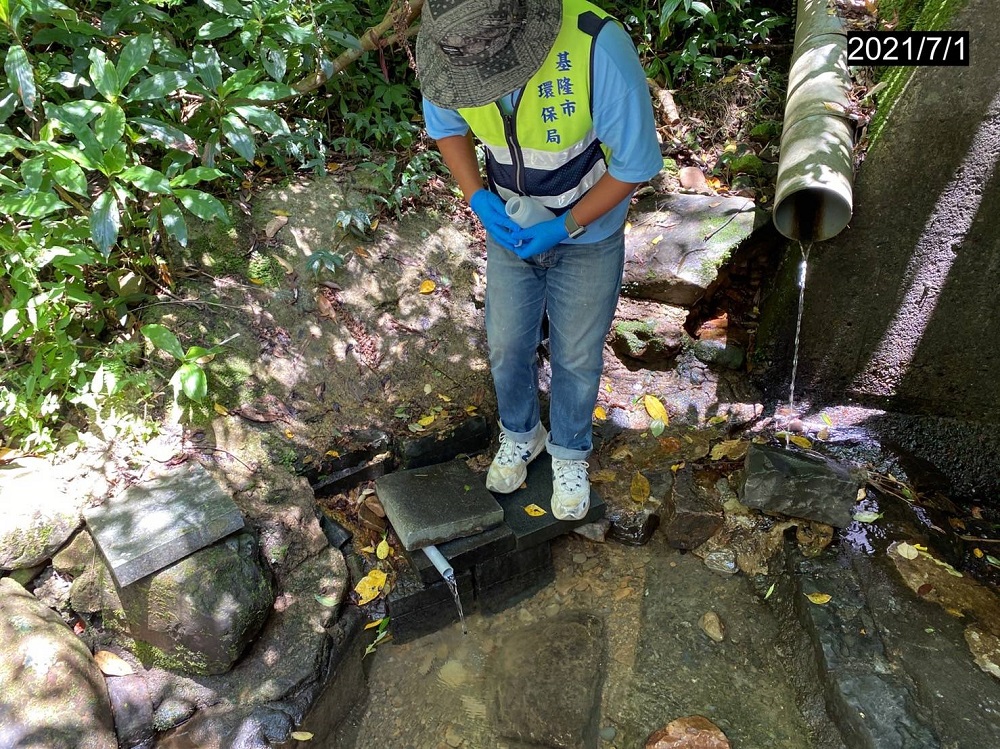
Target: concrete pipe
<point>814,190</point>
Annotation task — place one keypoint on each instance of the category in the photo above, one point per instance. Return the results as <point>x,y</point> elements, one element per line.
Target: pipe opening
<point>812,214</point>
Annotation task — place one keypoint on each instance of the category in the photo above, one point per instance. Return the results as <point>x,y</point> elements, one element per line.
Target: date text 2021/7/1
<point>945,48</point>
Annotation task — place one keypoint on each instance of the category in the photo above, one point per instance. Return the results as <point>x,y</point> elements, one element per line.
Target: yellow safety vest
<point>547,147</point>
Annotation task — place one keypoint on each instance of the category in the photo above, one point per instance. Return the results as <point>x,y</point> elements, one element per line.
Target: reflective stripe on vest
<point>547,147</point>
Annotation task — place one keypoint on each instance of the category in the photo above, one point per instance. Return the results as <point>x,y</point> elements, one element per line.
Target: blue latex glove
<point>539,238</point>
<point>492,212</point>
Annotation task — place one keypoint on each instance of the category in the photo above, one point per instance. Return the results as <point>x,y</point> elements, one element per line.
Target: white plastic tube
<point>525,211</point>
<point>439,562</point>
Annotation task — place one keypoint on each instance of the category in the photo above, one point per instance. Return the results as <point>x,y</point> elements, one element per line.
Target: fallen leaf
<point>274,226</point>
<point>368,550</point>
<point>534,510</point>
<point>823,434</point>
<point>600,414</point>
<point>656,427</point>
<point>444,397</point>
<point>374,225</point>
<point>798,439</point>
<point>656,240</point>
<point>415,427</point>
<point>826,419</point>
<point>369,587</point>
<point>621,453</point>
<point>427,287</point>
<point>328,601</point>
<point>717,419</point>
<point>677,466</point>
<point>655,408</point>
<point>301,735</point>
<point>819,598</point>
<point>603,476</point>
<point>867,517</point>
<point>325,307</point>
<point>220,409</point>
<point>375,623</point>
<point>289,433</point>
<point>382,550</point>
<point>471,410</point>
<point>993,560</point>
<point>332,453</point>
<point>731,449</point>
<point>977,512</point>
<point>111,664</point>
<point>977,553</point>
<point>426,421</point>
<point>906,550</point>
<point>924,589</point>
<point>862,493</point>
<point>769,591</point>
<point>279,211</point>
<point>639,490</point>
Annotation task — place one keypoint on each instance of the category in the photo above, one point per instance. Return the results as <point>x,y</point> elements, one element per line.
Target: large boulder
<point>52,694</point>
<point>199,614</point>
<point>38,514</point>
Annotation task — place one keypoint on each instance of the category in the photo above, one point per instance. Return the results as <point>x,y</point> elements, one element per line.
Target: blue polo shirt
<point>623,120</point>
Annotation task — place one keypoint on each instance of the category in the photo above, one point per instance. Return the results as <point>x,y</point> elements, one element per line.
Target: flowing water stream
<point>803,266</point>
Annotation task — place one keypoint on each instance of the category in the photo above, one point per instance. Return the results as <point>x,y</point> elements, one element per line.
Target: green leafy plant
<point>189,377</point>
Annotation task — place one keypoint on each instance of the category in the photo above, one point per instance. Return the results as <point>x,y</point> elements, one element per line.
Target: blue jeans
<point>577,286</point>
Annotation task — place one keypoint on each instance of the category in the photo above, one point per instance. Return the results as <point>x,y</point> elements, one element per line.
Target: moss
<point>179,660</point>
<point>670,167</point>
<point>934,15</point>
<point>635,334</point>
<point>746,164</point>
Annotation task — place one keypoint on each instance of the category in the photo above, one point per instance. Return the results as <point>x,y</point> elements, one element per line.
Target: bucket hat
<point>473,52</point>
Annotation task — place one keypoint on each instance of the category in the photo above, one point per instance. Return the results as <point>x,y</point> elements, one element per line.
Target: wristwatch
<point>572,228</point>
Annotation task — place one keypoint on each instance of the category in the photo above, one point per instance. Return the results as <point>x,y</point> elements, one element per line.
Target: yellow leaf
<point>657,239</point>
<point>471,410</point>
<point>862,493</point>
<point>368,550</point>
<point>978,553</point>
<point>826,419</point>
<point>289,433</point>
<point>621,453</point>
<point>655,408</point>
<point>534,510</point>
<point>628,226</point>
<point>372,625</point>
<point>111,664</point>
<point>374,224</point>
<point>819,598</point>
<point>220,409</point>
<point>426,421</point>
<point>823,434</point>
<point>382,550</point>
<point>717,419</point>
<point>370,586</point>
<point>332,453</point>
<point>676,467</point>
<point>256,281</point>
<point>731,449</point>
<point>427,287</point>
<point>603,476</point>
<point>301,735</point>
<point>639,490</point>
<point>279,212</point>
<point>801,441</point>
<point>907,551</point>
<point>444,397</point>
<point>600,414</point>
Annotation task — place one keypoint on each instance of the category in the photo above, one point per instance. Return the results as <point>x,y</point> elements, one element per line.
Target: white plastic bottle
<point>526,211</point>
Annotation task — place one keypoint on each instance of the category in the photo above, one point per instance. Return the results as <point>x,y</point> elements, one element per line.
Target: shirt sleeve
<point>623,109</point>
<point>443,123</point>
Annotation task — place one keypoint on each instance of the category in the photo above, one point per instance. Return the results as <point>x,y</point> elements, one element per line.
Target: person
<point>554,91</point>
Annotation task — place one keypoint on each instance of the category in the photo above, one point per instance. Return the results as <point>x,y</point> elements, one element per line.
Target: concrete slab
<point>532,529</point>
<point>437,503</point>
<point>154,523</point>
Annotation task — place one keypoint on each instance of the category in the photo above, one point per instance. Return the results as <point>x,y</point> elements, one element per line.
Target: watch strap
<point>573,229</point>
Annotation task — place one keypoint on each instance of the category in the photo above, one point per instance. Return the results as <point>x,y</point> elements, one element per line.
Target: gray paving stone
<point>157,522</point>
<point>437,503</point>
<point>531,530</point>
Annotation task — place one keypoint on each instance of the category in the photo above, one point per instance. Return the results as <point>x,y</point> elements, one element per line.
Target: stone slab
<point>437,503</point>
<point>531,530</point>
<point>464,553</point>
<point>159,521</point>
<point>510,578</point>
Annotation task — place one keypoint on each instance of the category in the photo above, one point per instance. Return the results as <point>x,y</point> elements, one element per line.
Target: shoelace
<point>510,452</point>
<point>572,474</point>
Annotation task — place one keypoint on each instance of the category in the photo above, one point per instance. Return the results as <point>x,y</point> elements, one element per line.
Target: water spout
<point>440,563</point>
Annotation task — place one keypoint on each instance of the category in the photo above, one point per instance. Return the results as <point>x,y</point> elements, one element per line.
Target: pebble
<point>526,616</point>
<point>722,561</point>
<point>608,733</point>
<point>622,593</point>
<point>579,558</point>
<point>712,626</point>
<point>590,564</point>
<point>551,610</point>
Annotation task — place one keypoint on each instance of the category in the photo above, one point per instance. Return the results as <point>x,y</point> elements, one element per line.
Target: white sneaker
<point>509,468</point>
<point>570,489</point>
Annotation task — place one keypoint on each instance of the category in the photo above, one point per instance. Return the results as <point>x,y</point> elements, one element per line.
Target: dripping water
<point>804,249</point>
<point>453,587</point>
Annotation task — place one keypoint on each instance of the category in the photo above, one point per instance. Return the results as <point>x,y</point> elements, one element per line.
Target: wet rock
<point>800,484</point>
<point>692,732</point>
<point>132,707</point>
<point>52,693</point>
<point>719,353</point>
<point>712,626</point>
<point>199,614</point>
<point>227,726</point>
<point>813,538</point>
<point>608,733</point>
<point>38,517</point>
<point>530,673</point>
<point>695,513</point>
<point>634,528</point>
<point>722,561</point>
<point>596,531</point>
<point>985,647</point>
